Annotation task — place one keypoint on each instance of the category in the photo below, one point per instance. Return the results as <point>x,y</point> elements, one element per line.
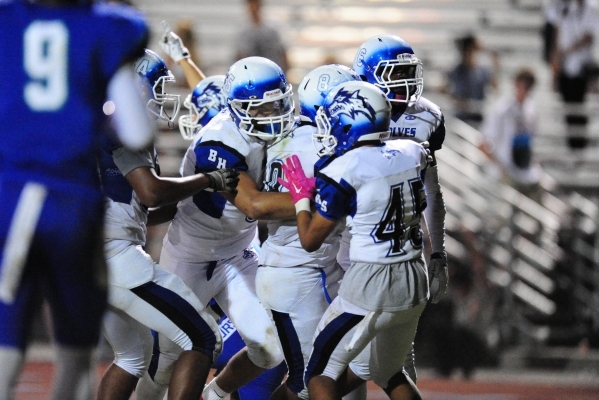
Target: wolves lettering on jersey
<point>50,82</point>
<point>208,218</point>
<point>421,121</point>
<point>380,191</point>
<point>283,248</point>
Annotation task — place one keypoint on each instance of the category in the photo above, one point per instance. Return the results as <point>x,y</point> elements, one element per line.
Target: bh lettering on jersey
<point>213,156</point>
<point>399,131</point>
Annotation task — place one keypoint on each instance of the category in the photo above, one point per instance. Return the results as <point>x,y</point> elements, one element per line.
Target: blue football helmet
<point>388,61</point>
<point>206,100</point>
<point>317,84</point>
<point>259,98</point>
<point>352,112</point>
<point>154,74</point>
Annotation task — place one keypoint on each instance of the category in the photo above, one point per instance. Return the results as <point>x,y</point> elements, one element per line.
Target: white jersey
<point>424,121</point>
<point>421,121</point>
<point>380,190</point>
<point>206,226</point>
<point>283,247</point>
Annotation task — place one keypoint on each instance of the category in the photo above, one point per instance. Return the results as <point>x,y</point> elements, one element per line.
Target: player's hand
<point>224,180</point>
<point>299,186</point>
<point>429,156</point>
<point>172,44</point>
<point>438,276</point>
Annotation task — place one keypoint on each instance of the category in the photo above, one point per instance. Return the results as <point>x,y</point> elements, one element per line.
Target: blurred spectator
<point>468,81</point>
<point>552,10</point>
<point>509,129</point>
<point>259,39</point>
<point>572,62</point>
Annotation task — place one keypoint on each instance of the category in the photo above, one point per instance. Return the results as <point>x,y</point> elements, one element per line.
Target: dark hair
<point>466,42</point>
<point>526,76</point>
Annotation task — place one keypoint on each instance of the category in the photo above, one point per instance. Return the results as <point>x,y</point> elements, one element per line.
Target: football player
<point>295,285</point>
<point>63,59</point>
<point>141,293</point>
<point>389,62</point>
<point>208,241</point>
<point>379,191</point>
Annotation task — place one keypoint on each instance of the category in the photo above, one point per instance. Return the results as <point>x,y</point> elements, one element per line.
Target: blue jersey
<point>57,63</point>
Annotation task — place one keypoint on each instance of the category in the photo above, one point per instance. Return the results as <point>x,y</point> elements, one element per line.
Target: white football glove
<point>172,44</point>
<point>429,156</point>
<point>438,276</point>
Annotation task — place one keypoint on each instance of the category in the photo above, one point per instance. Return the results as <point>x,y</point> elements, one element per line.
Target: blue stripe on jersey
<point>210,156</point>
<point>335,199</point>
<point>181,313</point>
<point>292,349</point>
<point>326,342</point>
<point>323,162</point>
<point>153,367</point>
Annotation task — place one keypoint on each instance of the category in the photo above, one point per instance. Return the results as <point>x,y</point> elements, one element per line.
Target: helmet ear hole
<point>347,128</point>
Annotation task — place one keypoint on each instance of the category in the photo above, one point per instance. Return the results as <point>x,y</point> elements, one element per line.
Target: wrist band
<point>302,205</point>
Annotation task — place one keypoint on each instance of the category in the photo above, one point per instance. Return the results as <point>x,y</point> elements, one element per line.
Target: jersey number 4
<point>400,220</point>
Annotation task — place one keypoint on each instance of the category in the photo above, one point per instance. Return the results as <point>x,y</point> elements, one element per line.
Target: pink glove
<point>299,186</point>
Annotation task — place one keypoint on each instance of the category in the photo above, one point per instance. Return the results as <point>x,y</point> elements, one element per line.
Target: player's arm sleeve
<point>127,160</point>
<point>212,155</point>
<point>438,136</point>
<point>434,213</point>
<point>131,121</point>
<point>334,199</point>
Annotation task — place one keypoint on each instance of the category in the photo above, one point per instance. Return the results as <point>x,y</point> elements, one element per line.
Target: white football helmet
<point>352,112</point>
<point>259,97</point>
<point>317,84</point>
<point>206,100</point>
<point>388,62</point>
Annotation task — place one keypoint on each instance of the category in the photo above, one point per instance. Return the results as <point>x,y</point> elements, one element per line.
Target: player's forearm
<point>172,190</point>
<point>265,206</point>
<point>307,240</point>
<point>161,215</point>
<point>193,74</point>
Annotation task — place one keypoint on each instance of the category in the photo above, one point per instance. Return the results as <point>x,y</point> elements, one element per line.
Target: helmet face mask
<point>259,98</point>
<point>353,112</point>
<point>388,62</point>
<point>154,74</point>
<point>163,105</point>
<point>203,104</point>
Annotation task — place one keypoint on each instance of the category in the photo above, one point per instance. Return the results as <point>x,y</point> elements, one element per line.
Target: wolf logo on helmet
<point>206,100</point>
<point>353,112</point>
<point>351,104</point>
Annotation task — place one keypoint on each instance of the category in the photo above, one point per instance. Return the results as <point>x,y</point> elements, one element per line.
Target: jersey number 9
<point>45,59</point>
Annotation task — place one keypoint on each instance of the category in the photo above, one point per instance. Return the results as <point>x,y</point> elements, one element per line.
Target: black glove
<point>223,180</point>
<point>438,276</point>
